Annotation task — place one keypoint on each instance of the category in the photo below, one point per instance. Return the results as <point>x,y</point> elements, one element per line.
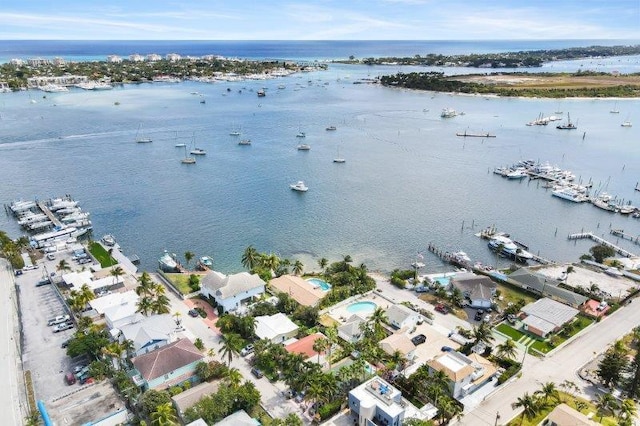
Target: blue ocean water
<point>408,180</point>
<point>75,50</point>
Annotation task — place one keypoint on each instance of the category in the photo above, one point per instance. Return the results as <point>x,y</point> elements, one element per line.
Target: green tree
<point>322,263</point>
<point>627,409</point>
<point>569,271</point>
<point>611,367</point>
<point>164,415</point>
<point>116,271</point>
<point>233,377</point>
<point>63,266</point>
<point>530,406</point>
<point>320,345</point>
<point>507,349</point>
<point>152,399</point>
<point>250,258</point>
<point>230,346</point>
<point>377,318</point>
<point>188,256</point>
<point>548,392</point>
<point>297,268</point>
<point>482,333</point>
<point>606,404</point>
<point>600,252</point>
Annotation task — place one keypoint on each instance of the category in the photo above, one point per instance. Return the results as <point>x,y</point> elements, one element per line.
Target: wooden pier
<point>50,215</point>
<point>599,240</point>
<point>620,233</point>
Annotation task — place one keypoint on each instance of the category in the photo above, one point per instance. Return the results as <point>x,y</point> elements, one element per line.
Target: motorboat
<point>461,257</point>
<point>198,151</point>
<point>330,128</point>
<point>180,145</point>
<point>108,240</point>
<point>303,147</point>
<point>261,93</point>
<point>52,88</point>
<point>509,248</point>
<point>188,160</point>
<point>167,263</point>
<point>204,263</point>
<point>567,193</point>
<point>299,186</point>
<point>516,174</point>
<point>245,142</point>
<point>301,135</point>
<point>234,133</point>
<point>448,113</point>
<point>604,203</point>
<point>626,123</point>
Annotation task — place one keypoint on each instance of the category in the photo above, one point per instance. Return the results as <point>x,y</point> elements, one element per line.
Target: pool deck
<point>340,314</point>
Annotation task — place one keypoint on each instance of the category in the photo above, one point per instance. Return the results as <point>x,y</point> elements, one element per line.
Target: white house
<point>350,331</point>
<point>101,304</point>
<point>401,343</point>
<point>120,315</point>
<point>149,333</point>
<point>402,317</point>
<point>232,291</point>
<point>276,328</point>
<point>465,373</point>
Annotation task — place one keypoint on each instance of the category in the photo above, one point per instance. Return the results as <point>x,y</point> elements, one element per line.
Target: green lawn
<point>180,281</point>
<point>509,331</point>
<point>571,402</point>
<point>510,294</point>
<point>102,255</point>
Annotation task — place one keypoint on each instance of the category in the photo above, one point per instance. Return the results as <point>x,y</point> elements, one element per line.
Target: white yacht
<point>516,174</point>
<point>53,88</point>
<point>109,240</point>
<point>509,248</point>
<point>245,142</point>
<point>567,193</point>
<point>198,151</point>
<point>299,186</point>
<point>303,147</point>
<point>167,263</point>
<point>448,113</point>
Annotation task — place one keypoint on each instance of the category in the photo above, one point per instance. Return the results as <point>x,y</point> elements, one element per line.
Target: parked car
<point>69,378</point>
<point>441,308</point>
<point>58,320</point>
<point>300,396</point>
<point>65,343</point>
<point>256,372</point>
<point>18,272</point>
<point>63,326</point>
<point>421,289</point>
<point>288,393</point>
<point>479,314</point>
<point>246,350</point>
<point>193,313</point>
<point>446,349</point>
<point>419,339</point>
<point>30,267</point>
<point>511,318</point>
<point>51,256</point>
<point>43,282</point>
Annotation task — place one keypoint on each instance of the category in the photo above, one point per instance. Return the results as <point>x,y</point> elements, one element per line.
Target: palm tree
<point>376,319</point>
<point>507,349</point>
<point>161,304</point>
<point>347,259</point>
<point>230,346</point>
<point>606,404</point>
<point>398,359</point>
<point>456,297</point>
<point>271,261</point>
<point>84,323</point>
<point>628,409</point>
<point>63,266</point>
<point>188,256</point>
<point>145,285</point>
<point>548,391</point>
<point>297,268</point>
<point>570,270</point>
<point>250,258</point>
<point>116,272</point>
<point>321,345</point>
<point>322,263</point>
<point>482,333</point>
<point>164,415</point>
<point>115,351</point>
<point>233,377</point>
<point>529,404</point>
<point>145,305</point>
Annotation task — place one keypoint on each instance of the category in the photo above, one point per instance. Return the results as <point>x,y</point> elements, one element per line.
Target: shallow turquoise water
<point>361,307</point>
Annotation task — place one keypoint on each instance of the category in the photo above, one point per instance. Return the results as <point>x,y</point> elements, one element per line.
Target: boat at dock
<point>570,194</point>
<point>108,240</point>
<point>204,263</point>
<point>508,248</point>
<point>568,126</point>
<point>167,263</point>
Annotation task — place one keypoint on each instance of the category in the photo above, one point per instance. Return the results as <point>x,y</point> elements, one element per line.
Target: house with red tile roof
<point>304,347</point>
<point>167,366</point>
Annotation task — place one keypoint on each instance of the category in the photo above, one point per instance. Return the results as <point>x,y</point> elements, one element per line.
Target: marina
<point>599,240</point>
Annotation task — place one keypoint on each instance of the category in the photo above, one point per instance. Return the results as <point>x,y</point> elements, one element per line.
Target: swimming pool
<point>442,281</point>
<point>361,307</point>
<point>317,282</point>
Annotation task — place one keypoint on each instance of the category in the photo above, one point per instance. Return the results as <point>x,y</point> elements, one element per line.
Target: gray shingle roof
<point>166,359</point>
<point>540,283</point>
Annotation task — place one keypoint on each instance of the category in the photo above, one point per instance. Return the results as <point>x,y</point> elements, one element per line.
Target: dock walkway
<point>599,240</point>
<point>620,233</point>
<point>50,215</point>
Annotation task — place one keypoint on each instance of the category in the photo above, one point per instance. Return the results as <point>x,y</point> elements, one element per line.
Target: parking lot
<point>42,351</point>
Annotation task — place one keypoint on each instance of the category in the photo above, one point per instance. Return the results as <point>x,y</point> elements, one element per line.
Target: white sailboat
<point>339,159</point>
<point>187,159</point>
<point>140,138</point>
<point>615,109</point>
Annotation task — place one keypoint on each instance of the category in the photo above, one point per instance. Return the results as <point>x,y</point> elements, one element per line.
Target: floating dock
<point>465,134</point>
<point>620,233</point>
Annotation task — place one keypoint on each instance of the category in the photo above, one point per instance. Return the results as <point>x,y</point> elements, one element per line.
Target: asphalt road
<point>560,366</point>
<point>13,399</point>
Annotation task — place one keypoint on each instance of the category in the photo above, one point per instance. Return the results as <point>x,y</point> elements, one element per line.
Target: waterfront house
<point>232,291</point>
<point>101,304</point>
<point>298,289</point>
<point>376,402</point>
<point>545,316</point>
<point>545,286</point>
<point>149,333</point>
<point>276,328</point>
<point>477,289</point>
<point>125,313</point>
<point>465,373</point>
<point>167,366</point>
<point>351,330</point>
<point>402,317</point>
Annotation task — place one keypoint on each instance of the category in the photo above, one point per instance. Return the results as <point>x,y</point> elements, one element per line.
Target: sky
<point>319,19</point>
